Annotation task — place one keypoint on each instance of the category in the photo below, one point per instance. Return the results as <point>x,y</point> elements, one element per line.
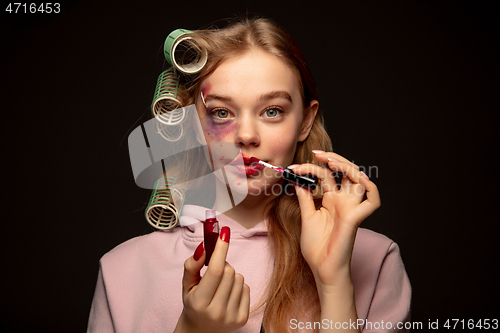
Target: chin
<point>264,187</point>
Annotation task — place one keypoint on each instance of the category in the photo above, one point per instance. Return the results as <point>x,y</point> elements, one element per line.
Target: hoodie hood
<point>192,218</point>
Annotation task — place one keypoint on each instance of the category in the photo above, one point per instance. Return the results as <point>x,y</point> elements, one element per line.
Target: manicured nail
<point>198,252</point>
<point>364,175</point>
<point>225,234</point>
<point>293,166</point>
<point>333,159</point>
<point>318,152</point>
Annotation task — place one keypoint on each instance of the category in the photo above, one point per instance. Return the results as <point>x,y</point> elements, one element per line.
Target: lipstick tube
<point>304,181</point>
<point>308,181</point>
<point>210,234</point>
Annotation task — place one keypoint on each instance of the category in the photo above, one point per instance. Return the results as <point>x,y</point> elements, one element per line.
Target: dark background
<point>407,86</point>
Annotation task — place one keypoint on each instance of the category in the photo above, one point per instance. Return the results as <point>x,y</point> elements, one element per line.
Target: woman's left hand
<point>328,234</point>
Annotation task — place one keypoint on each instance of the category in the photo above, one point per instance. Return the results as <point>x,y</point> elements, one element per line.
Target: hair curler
<point>182,52</point>
<point>170,133</point>
<point>165,99</point>
<point>161,211</point>
<point>166,108</point>
<point>186,56</point>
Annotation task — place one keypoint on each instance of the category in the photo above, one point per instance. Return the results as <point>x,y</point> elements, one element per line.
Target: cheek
<point>218,132</point>
<point>283,143</point>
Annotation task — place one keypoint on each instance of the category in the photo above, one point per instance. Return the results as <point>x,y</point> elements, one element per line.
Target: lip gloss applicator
<point>304,181</point>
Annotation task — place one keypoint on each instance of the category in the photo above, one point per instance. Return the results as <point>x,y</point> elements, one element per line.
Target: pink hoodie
<point>139,286</point>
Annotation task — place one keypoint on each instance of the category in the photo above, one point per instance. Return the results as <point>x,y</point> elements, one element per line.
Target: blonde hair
<point>292,286</point>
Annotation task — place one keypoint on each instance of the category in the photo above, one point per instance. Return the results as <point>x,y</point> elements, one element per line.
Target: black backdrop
<point>407,86</point>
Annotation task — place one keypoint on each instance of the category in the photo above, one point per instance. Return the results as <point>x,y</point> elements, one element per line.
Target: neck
<point>250,211</point>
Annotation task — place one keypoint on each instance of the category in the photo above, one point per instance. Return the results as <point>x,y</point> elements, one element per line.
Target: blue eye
<point>273,112</point>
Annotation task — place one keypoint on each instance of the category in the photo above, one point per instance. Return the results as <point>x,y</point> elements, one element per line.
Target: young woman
<point>285,261</point>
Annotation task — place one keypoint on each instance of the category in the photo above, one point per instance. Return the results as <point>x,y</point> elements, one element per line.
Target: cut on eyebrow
<point>263,97</point>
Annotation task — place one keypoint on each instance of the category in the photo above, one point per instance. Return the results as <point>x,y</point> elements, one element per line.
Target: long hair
<point>292,287</point>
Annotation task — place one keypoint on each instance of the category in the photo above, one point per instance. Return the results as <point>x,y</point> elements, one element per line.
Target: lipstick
<point>304,181</point>
<point>210,233</point>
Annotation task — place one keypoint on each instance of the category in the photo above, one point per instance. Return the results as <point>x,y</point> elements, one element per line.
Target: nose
<point>247,133</point>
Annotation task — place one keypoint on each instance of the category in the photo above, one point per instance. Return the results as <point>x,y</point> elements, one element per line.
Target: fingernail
<point>318,152</point>
<point>293,166</point>
<point>333,159</point>
<point>364,175</point>
<point>198,252</point>
<point>225,234</point>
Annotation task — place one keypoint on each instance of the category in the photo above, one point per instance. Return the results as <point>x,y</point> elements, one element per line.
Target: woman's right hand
<point>220,301</point>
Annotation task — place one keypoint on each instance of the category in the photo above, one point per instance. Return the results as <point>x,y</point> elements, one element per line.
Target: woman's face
<point>254,101</point>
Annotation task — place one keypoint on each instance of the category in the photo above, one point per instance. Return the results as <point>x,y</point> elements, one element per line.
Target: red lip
<point>250,159</point>
<point>246,159</point>
<point>250,168</point>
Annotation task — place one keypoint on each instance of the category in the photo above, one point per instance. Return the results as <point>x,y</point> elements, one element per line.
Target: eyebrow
<point>263,97</point>
<point>276,94</point>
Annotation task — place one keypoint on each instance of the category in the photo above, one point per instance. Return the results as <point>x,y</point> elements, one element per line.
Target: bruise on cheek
<point>217,132</point>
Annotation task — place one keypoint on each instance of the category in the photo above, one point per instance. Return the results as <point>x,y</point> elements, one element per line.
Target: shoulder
<point>370,243</point>
<point>372,252</point>
<point>138,249</point>
<point>382,288</point>
<point>137,243</point>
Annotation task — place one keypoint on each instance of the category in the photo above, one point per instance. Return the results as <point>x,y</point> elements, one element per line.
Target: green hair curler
<point>170,133</point>
<point>183,53</point>
<point>161,211</point>
<point>165,99</point>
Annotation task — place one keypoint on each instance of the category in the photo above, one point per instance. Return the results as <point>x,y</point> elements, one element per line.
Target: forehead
<point>255,72</point>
